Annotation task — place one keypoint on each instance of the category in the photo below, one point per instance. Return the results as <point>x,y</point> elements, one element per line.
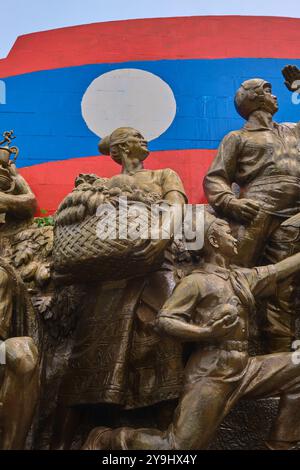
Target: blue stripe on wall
<point>44,109</point>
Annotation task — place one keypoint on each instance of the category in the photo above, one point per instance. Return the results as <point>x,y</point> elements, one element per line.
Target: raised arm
<point>287,267</point>
<point>262,280</point>
<point>291,75</point>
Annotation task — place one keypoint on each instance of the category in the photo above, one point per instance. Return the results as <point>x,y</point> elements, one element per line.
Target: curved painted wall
<point>202,59</point>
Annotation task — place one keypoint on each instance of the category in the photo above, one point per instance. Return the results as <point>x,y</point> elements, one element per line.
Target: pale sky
<point>27,16</point>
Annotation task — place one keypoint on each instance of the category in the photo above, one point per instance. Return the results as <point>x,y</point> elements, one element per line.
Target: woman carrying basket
<point>117,357</point>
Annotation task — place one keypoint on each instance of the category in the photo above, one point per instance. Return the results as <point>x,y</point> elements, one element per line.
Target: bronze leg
<point>253,237</point>
<point>281,310</point>
<point>66,421</point>
<point>200,411</point>
<point>277,375</point>
<point>19,393</point>
<point>280,318</point>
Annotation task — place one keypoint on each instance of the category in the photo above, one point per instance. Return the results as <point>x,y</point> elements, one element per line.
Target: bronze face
<point>270,103</point>
<point>136,145</point>
<point>223,241</point>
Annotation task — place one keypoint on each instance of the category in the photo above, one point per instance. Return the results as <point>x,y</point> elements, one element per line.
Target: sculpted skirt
<point>117,356</point>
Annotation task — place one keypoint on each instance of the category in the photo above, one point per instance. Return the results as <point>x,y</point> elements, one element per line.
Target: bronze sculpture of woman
<point>117,357</point>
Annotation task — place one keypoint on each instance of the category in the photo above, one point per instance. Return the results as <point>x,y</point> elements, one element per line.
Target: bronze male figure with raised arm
<point>263,158</point>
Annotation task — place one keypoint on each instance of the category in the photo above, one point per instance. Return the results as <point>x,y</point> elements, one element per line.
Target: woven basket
<point>79,254</point>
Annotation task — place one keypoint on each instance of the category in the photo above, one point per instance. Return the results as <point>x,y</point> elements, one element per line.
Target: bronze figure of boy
<point>211,307</point>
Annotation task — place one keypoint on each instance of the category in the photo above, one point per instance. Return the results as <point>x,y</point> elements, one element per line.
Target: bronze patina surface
<point>138,342</point>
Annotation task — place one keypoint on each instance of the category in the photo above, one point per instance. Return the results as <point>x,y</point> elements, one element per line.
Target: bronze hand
<point>291,75</point>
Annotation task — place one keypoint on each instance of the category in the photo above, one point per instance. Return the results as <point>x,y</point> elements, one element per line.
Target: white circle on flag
<point>129,97</point>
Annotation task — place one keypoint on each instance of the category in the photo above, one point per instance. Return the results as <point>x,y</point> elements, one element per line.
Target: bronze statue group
<point>127,334</point>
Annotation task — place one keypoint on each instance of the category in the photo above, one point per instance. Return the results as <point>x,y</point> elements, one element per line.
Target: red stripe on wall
<point>204,37</point>
<point>52,181</point>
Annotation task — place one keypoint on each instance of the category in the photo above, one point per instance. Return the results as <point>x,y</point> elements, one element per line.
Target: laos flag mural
<point>172,78</point>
